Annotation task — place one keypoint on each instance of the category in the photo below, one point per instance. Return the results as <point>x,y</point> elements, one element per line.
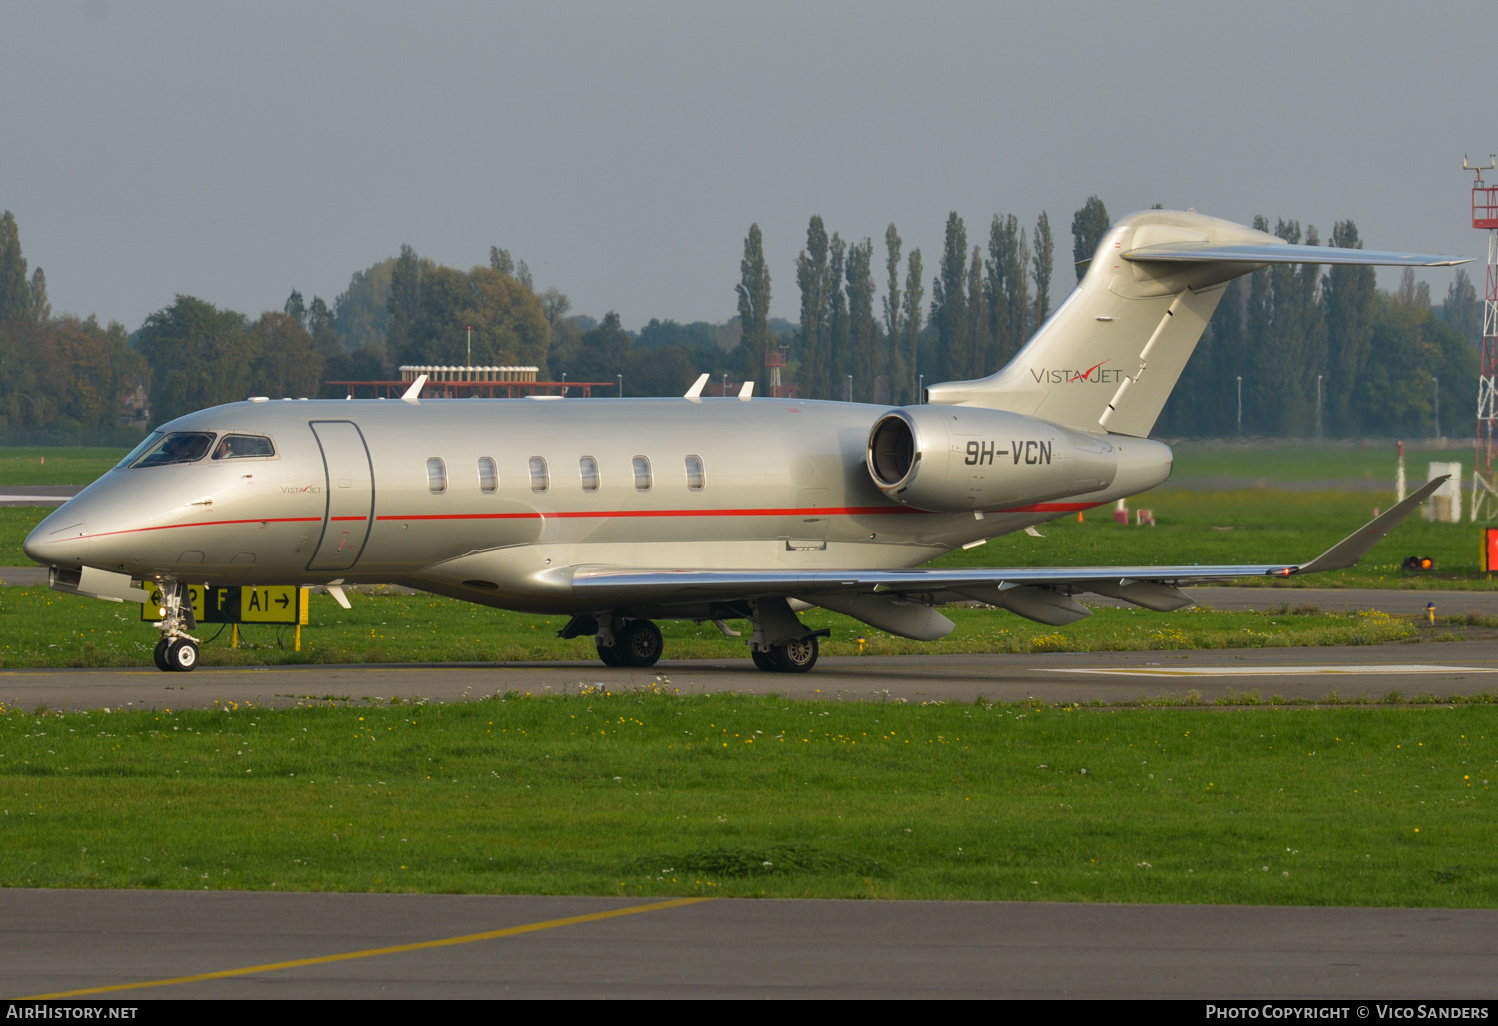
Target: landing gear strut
<point>797,648</point>
<point>177,650</point>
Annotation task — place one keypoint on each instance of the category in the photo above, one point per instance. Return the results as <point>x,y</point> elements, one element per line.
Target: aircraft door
<point>350,491</point>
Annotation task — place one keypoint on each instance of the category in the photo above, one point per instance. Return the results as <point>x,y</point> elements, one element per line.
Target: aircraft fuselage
<point>522,488</point>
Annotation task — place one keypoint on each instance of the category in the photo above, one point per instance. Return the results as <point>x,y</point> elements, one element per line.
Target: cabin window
<point>588,467</point>
<point>436,476</point>
<point>642,473</point>
<point>540,477</point>
<point>488,475</point>
<point>163,449</point>
<point>238,447</point>
<point>696,478</point>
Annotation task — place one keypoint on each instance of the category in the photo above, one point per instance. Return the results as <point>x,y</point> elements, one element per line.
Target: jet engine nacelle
<point>956,459</point>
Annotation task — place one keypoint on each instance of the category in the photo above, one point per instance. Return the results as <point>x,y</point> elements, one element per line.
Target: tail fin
<point>1109,356</point>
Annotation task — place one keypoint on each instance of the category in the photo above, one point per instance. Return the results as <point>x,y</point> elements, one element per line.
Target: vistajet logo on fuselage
<point>1095,374</point>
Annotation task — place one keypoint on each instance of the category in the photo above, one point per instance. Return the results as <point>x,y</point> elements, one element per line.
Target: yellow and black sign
<point>266,603</point>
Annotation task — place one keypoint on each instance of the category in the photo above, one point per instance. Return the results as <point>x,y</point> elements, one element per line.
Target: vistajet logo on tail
<point>1095,374</point>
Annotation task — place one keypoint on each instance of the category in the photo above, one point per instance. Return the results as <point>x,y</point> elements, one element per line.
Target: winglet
<point>414,392</point>
<point>1355,546</point>
<point>746,390</point>
<point>695,392</point>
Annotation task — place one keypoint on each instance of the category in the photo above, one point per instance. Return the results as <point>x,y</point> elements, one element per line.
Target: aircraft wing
<point>1198,252</point>
<point>1040,593</point>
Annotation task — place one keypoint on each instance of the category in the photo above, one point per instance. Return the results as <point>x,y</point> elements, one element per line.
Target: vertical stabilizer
<point>1110,354</point>
<point>1107,359</point>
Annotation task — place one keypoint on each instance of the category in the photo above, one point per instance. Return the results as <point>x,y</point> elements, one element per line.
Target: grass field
<point>733,795</point>
<point>1278,461</point>
<point>39,465</point>
<point>39,627</point>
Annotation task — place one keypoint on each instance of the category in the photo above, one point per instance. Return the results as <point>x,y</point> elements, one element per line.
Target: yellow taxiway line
<point>509,931</point>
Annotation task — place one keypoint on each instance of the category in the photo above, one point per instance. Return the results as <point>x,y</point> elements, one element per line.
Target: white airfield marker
<point>1273,671</point>
<point>38,500</point>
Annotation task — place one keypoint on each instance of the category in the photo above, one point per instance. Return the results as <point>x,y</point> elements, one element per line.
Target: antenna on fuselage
<point>414,392</point>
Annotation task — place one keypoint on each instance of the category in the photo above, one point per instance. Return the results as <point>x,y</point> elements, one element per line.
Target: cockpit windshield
<point>162,448</point>
<point>238,447</point>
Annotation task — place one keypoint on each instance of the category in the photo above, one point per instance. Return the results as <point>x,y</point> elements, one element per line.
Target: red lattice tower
<point>1485,218</point>
<point>775,360</point>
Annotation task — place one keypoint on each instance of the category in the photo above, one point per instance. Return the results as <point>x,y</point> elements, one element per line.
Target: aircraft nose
<point>62,538</point>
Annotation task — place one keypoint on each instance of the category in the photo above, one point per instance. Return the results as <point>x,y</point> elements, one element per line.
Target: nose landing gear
<point>177,651</point>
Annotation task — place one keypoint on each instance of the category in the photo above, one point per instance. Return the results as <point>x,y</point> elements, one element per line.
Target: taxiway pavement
<point>61,941</point>
<point>1373,671</point>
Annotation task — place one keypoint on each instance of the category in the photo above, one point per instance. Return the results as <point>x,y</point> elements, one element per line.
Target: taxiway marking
<point>1271,671</point>
<point>509,931</point>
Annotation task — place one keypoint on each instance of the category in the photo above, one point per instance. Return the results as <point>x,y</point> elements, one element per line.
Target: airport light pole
<point>920,389</point>
<point>1319,427</point>
<point>1435,392</point>
<point>1240,405</point>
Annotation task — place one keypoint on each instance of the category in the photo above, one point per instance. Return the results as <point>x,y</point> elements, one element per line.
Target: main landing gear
<point>177,651</point>
<point>796,656</point>
<point>638,643</point>
<point>635,642</point>
<point>781,644</point>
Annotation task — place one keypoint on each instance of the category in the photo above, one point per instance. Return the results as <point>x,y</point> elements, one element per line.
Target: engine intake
<point>949,459</point>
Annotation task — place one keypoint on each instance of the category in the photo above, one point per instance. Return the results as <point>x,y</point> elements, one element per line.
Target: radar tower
<point>1484,479</point>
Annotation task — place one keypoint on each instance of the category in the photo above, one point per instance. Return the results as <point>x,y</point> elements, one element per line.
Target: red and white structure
<point>1484,480</point>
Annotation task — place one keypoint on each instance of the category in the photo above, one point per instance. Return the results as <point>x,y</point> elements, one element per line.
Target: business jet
<point>623,512</point>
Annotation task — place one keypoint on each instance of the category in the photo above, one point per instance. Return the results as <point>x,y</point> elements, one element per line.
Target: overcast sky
<point>235,151</point>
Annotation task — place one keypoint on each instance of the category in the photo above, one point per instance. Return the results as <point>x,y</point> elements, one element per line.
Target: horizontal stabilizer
<point>1200,252</point>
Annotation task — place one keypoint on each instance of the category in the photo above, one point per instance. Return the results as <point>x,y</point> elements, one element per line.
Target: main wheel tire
<point>160,655</point>
<point>640,643</point>
<point>182,655</point>
<point>608,654</point>
<point>763,660</point>
<point>796,656</point>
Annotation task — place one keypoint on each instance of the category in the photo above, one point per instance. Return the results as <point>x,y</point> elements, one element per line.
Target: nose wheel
<point>176,654</point>
<point>177,651</point>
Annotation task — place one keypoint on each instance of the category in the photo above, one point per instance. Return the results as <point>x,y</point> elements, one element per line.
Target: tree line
<point>1315,352</point>
<point>1309,353</point>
